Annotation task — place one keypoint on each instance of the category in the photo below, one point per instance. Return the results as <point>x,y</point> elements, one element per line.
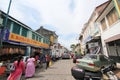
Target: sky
<point>65,17</point>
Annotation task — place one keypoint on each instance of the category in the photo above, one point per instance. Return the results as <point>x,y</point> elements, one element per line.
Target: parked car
<point>76,56</point>
<point>94,62</point>
<point>66,56</point>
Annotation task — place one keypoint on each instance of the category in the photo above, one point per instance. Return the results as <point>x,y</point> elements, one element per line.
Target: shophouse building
<point>18,37</point>
<point>53,37</point>
<point>90,38</point>
<point>109,23</point>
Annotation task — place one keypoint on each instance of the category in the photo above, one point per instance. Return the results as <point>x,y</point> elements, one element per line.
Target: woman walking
<point>19,69</point>
<point>30,67</point>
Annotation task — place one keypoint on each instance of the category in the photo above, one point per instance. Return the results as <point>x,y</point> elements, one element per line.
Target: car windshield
<point>90,57</point>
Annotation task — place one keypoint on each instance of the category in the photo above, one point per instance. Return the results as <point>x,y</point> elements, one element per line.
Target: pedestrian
<point>43,60</point>
<point>19,69</point>
<point>47,60</point>
<point>30,67</point>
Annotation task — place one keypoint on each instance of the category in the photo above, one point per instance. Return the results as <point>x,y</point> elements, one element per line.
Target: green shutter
<point>24,32</point>
<point>16,28</point>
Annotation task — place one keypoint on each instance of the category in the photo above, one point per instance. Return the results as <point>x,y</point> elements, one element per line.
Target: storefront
<point>113,47</point>
<point>12,47</point>
<point>93,44</point>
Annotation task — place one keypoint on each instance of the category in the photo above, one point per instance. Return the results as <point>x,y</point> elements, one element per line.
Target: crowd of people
<point>29,68</point>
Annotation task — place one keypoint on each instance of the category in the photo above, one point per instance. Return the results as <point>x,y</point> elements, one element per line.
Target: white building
<point>109,23</point>
<point>90,35</point>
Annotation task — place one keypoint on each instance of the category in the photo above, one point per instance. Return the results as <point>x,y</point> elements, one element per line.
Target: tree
<point>72,47</point>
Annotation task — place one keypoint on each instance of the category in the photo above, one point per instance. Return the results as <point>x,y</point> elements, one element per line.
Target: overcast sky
<point>65,17</point>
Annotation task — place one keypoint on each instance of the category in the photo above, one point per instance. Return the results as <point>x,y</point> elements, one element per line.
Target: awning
<point>88,39</point>
<point>16,43</point>
<point>113,38</point>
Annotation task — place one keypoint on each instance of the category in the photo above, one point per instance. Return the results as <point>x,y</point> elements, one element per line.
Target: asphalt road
<point>60,70</point>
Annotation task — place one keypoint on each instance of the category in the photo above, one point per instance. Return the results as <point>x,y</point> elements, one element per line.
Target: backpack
<point>11,67</point>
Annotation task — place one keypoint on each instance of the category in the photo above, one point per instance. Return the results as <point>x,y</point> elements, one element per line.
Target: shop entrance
<point>114,50</point>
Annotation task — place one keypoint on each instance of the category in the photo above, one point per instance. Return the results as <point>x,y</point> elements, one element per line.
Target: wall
<point>112,31</point>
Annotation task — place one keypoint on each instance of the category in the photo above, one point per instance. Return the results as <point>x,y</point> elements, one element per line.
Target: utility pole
<point>5,25</point>
<point>6,20</point>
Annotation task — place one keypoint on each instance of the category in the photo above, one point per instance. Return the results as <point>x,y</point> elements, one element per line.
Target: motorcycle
<point>105,74</point>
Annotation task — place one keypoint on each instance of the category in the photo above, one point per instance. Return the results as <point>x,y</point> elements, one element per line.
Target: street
<point>60,70</point>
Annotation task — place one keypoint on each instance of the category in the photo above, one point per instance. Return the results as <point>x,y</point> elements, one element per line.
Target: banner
<point>18,38</point>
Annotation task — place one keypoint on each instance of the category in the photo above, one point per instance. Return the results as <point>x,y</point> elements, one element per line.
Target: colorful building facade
<point>18,37</point>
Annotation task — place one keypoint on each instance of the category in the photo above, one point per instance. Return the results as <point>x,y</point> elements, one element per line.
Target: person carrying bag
<point>19,69</point>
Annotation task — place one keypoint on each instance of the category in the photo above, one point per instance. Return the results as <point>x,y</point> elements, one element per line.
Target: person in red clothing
<point>72,55</point>
<point>47,60</point>
<point>19,69</point>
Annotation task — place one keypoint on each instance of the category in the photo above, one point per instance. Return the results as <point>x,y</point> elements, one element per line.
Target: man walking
<point>47,60</point>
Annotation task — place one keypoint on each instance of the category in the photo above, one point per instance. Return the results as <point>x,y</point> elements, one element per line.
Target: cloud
<point>66,17</point>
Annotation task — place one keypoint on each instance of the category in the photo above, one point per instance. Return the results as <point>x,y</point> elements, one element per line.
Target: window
<point>8,23</point>
<point>112,16</point>
<point>36,38</point>
<point>119,3</point>
<point>88,56</point>
<point>24,32</point>
<point>102,58</point>
<point>103,23</point>
<point>44,41</point>
<point>33,36</point>
<point>16,28</point>
<point>40,39</point>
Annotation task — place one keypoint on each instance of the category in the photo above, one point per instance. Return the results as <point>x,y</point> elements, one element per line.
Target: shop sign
<point>95,44</point>
<point>18,38</point>
<point>51,39</point>
<point>4,33</point>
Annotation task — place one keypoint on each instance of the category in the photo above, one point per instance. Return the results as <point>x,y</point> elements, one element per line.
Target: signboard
<point>6,34</point>
<point>1,35</point>
<point>52,39</point>
<point>90,45</point>
<point>18,38</point>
